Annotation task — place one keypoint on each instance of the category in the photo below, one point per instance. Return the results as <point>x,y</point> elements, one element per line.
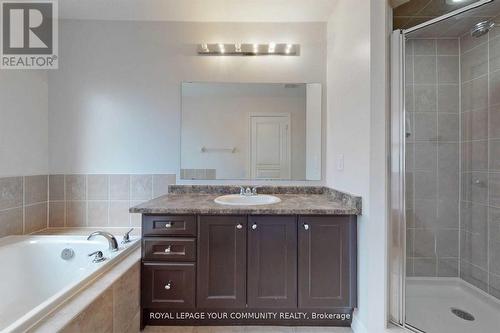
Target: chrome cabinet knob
<point>254,226</point>
<point>168,249</point>
<point>239,226</point>
<point>306,226</point>
<point>168,286</point>
<point>168,225</point>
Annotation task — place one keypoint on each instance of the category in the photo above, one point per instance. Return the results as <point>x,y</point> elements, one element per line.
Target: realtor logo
<point>29,34</point>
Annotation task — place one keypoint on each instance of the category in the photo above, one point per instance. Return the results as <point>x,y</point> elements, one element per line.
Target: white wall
<point>377,227</point>
<point>348,119</point>
<point>217,116</point>
<point>23,122</point>
<point>357,127</point>
<point>115,100</point>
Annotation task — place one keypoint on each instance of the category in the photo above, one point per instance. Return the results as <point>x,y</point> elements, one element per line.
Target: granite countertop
<point>303,200</point>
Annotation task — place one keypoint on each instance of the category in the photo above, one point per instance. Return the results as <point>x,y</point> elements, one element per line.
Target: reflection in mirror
<point>251,131</point>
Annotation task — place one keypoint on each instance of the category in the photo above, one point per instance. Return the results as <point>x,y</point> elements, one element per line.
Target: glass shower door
<point>452,173</point>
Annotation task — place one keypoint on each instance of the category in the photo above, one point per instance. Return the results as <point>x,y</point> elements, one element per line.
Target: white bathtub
<point>34,279</point>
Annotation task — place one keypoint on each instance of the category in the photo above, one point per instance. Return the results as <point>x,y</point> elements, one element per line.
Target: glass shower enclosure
<point>445,183</point>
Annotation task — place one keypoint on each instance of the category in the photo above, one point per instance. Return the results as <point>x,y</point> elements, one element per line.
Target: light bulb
<point>271,47</point>
<point>221,48</point>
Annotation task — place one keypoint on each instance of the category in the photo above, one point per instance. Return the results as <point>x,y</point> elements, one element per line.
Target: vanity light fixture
<point>222,48</point>
<point>271,48</point>
<point>255,48</point>
<point>246,49</point>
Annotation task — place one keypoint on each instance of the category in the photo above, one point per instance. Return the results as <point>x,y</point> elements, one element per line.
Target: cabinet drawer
<point>169,285</point>
<point>169,249</point>
<point>174,225</point>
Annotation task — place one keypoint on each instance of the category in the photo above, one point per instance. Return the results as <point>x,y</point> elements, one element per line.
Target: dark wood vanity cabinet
<point>169,225</point>
<point>169,249</point>
<point>327,262</point>
<point>272,262</point>
<point>222,262</point>
<point>168,261</point>
<point>249,263</point>
<point>168,285</point>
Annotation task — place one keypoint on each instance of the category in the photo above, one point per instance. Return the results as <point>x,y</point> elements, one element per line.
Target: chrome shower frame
<point>397,222</point>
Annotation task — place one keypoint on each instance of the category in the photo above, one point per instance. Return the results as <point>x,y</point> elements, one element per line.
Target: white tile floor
<point>245,329</point>
<point>428,303</point>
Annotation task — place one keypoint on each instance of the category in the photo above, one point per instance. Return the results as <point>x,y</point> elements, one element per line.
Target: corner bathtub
<point>34,279</point>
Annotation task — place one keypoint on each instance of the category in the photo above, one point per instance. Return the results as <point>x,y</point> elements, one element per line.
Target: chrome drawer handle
<point>254,226</point>
<point>239,226</point>
<point>168,286</point>
<point>306,226</point>
<point>168,249</point>
<point>168,225</point>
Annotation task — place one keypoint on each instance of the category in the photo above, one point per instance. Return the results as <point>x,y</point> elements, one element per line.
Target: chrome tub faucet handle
<point>98,256</point>
<point>126,237</point>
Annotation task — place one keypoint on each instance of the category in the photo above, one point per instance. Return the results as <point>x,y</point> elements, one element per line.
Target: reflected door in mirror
<point>270,146</point>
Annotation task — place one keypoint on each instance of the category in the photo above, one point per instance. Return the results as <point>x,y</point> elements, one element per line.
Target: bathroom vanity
<point>289,263</point>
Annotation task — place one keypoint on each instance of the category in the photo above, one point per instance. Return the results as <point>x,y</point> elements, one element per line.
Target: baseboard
<point>357,326</point>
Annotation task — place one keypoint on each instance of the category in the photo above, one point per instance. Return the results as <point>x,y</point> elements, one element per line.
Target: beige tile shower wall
<point>23,204</point>
<point>432,152</point>
<point>480,138</point>
<point>101,200</point>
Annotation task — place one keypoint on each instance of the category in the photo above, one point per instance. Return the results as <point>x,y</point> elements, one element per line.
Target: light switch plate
<point>340,162</point>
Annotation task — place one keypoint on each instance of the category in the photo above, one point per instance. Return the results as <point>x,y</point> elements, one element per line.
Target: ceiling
<point>199,10</point>
<point>414,12</point>
<point>460,24</point>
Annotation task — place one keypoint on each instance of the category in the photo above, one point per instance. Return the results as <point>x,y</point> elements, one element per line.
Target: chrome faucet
<point>126,237</point>
<point>113,244</point>
<point>98,257</point>
<point>248,192</point>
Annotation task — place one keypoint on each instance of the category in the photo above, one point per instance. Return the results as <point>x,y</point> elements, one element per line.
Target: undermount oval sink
<point>251,200</point>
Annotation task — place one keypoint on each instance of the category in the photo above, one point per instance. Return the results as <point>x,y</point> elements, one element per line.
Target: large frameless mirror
<point>268,131</point>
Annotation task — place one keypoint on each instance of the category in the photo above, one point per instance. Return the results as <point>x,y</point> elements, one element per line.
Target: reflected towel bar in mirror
<point>220,150</point>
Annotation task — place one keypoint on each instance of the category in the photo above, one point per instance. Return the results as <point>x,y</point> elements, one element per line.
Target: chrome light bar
<point>237,49</point>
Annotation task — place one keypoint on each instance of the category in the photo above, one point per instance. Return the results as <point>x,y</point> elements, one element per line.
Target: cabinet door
<point>327,261</point>
<point>272,262</point>
<point>221,262</point>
